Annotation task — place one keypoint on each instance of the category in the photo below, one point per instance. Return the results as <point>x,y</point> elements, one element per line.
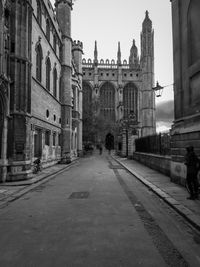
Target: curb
<point>182,210</point>
<point>28,187</point>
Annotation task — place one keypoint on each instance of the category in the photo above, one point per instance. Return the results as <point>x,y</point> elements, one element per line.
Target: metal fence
<point>155,144</point>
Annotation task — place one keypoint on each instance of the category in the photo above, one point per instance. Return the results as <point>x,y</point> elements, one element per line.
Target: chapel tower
<point>147,65</point>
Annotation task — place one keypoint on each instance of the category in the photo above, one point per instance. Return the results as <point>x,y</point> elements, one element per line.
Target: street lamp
<point>159,89</point>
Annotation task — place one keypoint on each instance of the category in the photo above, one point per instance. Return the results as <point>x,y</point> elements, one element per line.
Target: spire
<point>119,55</point>
<point>134,59</point>
<point>95,53</point>
<point>147,23</point>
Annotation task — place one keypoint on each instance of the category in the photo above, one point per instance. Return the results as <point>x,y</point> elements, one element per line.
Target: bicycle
<point>37,166</point>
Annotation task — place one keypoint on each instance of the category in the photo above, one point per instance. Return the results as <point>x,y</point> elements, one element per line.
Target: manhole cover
<point>79,195</point>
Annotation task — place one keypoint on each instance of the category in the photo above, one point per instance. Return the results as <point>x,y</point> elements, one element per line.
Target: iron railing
<point>155,144</point>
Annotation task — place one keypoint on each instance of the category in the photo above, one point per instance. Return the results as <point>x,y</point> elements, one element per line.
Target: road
<point>95,214</point>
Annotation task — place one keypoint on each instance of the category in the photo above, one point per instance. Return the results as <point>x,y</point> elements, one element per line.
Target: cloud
<point>164,115</point>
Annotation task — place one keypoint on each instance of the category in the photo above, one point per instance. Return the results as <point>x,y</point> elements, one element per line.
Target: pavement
<point>11,191</point>
<point>173,194</point>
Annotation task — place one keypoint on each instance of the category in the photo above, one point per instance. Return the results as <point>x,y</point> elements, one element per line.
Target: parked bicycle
<point>37,166</point>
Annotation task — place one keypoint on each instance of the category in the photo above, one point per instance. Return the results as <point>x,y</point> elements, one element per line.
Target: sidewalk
<point>173,194</point>
<point>11,191</point>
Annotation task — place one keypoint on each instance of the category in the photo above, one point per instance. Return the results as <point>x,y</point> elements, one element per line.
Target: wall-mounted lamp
<point>159,89</point>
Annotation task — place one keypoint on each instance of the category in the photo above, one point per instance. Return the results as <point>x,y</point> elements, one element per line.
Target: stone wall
<point>157,162</point>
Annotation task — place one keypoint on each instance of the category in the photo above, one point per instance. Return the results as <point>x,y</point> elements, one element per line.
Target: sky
<point>110,21</point>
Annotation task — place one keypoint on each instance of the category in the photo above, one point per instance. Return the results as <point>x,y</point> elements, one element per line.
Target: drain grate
<point>79,195</point>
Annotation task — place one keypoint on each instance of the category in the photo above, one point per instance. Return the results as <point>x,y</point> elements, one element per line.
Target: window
<point>54,139</point>
<point>47,113</point>
<point>130,99</point>
<point>39,13</point>
<point>54,43</point>
<point>60,82</point>
<point>39,63</point>
<point>38,143</point>
<point>48,30</point>
<point>55,83</point>
<point>47,138</point>
<point>48,72</point>
<point>60,52</point>
<point>59,139</point>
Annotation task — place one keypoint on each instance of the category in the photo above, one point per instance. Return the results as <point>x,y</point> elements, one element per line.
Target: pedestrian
<point>192,163</point>
<point>100,149</point>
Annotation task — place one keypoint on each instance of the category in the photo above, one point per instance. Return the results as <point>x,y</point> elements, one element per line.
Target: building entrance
<point>109,141</point>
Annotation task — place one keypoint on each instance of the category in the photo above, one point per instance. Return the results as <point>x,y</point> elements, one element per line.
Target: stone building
<point>186,47</point>
<point>119,96</point>
<point>40,86</point>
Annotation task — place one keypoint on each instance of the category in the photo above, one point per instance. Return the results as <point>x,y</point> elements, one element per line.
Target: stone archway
<point>109,141</point>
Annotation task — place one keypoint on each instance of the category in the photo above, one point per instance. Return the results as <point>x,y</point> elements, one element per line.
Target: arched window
<point>60,88</point>
<point>87,97</point>
<point>87,112</point>
<point>48,29</point>
<point>54,43</point>
<point>107,101</point>
<point>193,31</point>
<point>39,63</point>
<point>55,77</point>
<point>130,99</point>
<point>48,74</point>
<point>39,13</point>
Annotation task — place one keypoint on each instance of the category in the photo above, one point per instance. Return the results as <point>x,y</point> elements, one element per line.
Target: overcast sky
<point>110,21</point>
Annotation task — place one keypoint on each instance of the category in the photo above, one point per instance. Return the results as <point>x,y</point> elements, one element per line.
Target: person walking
<point>100,149</point>
<point>192,163</point>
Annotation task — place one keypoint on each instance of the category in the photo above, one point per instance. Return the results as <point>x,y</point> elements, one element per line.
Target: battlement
<point>76,44</point>
<point>104,64</point>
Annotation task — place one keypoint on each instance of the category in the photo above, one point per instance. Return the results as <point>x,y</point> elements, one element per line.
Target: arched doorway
<point>109,141</point>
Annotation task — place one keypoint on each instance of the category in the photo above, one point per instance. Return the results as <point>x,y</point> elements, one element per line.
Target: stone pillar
<point>63,12</point>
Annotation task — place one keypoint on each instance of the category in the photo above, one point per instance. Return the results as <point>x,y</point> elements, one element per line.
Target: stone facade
<point>119,94</point>
<point>186,40</point>
<point>40,86</point>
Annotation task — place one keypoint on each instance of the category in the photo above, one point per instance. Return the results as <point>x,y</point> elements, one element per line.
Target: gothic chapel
<point>120,93</point>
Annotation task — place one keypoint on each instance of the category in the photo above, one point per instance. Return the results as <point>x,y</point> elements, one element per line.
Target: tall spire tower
<point>95,54</point>
<point>147,65</point>
<point>119,61</point>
